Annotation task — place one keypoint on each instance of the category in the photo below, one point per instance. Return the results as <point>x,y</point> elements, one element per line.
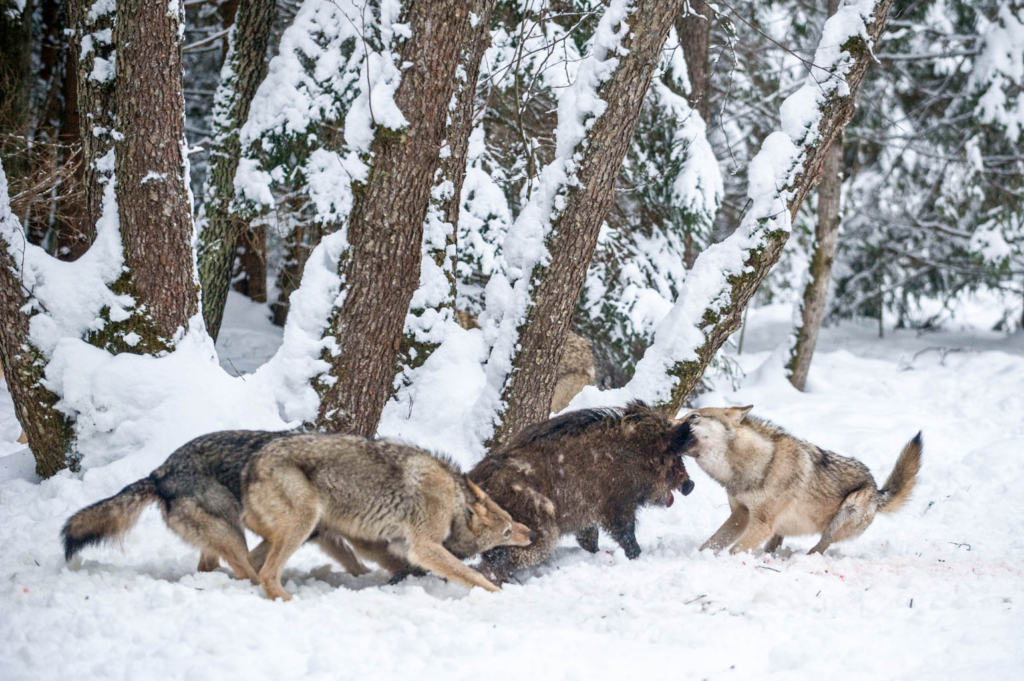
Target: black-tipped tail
<point>108,519</point>
<point>896,492</point>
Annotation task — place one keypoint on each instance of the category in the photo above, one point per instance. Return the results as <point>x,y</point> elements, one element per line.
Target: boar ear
<point>477,492</point>
<point>678,438</point>
<point>739,414</point>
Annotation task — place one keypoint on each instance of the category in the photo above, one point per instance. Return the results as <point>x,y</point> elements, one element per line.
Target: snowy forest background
<point>538,168</point>
<point>416,219</point>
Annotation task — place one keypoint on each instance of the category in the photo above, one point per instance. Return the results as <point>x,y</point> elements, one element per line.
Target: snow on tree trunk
<point>92,41</point>
<point>726,275</point>
<point>811,306</point>
<point>380,270</point>
<point>550,247</point>
<point>152,188</point>
<point>243,71</point>
<point>433,303</point>
<point>49,431</point>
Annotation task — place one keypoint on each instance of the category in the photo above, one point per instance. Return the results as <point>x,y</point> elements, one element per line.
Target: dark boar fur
<point>583,470</point>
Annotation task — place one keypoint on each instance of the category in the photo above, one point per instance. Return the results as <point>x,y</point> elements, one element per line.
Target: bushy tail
<point>108,519</point>
<point>900,483</point>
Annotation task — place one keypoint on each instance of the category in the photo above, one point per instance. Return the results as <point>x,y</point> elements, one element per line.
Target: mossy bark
<point>49,432</point>
<point>719,325</point>
<point>385,229</point>
<point>246,66</point>
<point>556,288</point>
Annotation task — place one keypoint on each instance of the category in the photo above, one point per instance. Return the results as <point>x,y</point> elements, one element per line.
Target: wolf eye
<point>508,532</point>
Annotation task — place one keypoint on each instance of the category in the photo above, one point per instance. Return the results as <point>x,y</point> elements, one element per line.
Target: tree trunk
<point>16,88</point>
<point>694,31</point>
<point>446,198</point>
<point>385,228</point>
<point>244,70</point>
<point>252,264</point>
<point>76,230</point>
<point>574,231</point>
<point>826,237</point>
<point>153,198</point>
<point>49,431</point>
<point>718,324</point>
<point>96,100</point>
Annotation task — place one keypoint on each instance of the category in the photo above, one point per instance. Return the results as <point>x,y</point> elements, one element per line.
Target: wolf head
<point>488,525</point>
<point>713,432</point>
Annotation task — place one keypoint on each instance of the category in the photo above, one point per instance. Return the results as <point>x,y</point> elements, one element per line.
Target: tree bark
<point>826,237</point>
<point>452,170</point>
<point>16,89</point>
<point>718,325</point>
<point>694,31</point>
<point>76,231</point>
<point>49,431</point>
<point>385,229</point>
<point>153,197</point>
<point>245,66</point>
<point>574,231</point>
<point>815,295</point>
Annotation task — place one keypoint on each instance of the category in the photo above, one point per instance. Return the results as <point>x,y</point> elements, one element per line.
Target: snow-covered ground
<point>934,592</point>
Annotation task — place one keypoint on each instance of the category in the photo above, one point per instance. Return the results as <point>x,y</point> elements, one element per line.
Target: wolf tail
<point>109,519</point>
<point>895,493</point>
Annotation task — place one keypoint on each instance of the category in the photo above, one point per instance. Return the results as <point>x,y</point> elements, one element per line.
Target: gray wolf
<point>779,485</point>
<point>583,470</point>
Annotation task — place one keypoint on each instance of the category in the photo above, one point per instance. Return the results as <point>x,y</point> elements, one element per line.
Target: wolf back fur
<point>779,485</point>
<point>580,471</point>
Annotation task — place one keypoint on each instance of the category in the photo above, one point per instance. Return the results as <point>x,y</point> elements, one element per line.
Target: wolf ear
<point>739,414</point>
<point>479,493</point>
<point>480,511</point>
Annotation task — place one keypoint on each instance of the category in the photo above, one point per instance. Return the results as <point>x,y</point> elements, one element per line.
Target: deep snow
<point>936,591</point>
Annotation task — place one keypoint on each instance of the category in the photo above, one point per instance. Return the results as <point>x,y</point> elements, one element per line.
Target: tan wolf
<point>779,485</point>
<point>393,503</point>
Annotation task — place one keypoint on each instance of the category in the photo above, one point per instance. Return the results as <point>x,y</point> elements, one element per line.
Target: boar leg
<point>622,527</point>
<point>587,539</point>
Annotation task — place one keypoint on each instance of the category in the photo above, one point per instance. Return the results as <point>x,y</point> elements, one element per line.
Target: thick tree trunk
<point>446,198</point>
<point>49,431</point>
<point>385,229</point>
<point>252,264</point>
<point>574,231</point>
<point>153,198</point>
<point>92,48</point>
<point>826,237</point>
<point>15,88</point>
<point>837,109</point>
<point>244,69</point>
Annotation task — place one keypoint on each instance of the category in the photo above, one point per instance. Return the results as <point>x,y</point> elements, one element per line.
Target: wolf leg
<point>587,539</point>
<point>436,558</point>
<point>773,544</point>
<point>853,517</point>
<point>757,532</point>
<point>283,510</point>
<point>211,529</point>
<point>208,562</point>
<point>377,551</point>
<point>333,544</point>
<point>730,529</point>
<point>258,556</point>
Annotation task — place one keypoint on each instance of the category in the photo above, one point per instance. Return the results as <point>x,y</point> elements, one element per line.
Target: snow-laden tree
<point>667,195</point>
<point>726,275</point>
<point>939,168</point>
